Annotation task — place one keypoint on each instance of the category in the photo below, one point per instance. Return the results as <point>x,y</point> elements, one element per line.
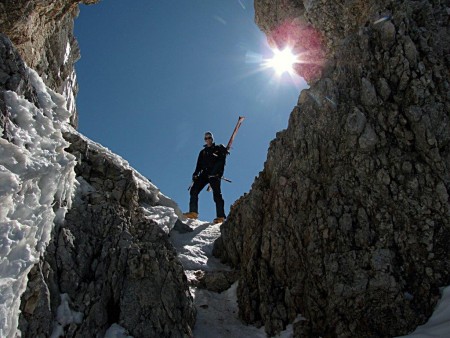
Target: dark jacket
<point>211,161</point>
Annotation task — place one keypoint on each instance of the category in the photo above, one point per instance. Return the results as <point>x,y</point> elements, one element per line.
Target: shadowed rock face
<point>42,32</point>
<point>349,222</point>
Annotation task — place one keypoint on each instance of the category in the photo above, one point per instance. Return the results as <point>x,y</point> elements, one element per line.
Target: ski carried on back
<point>238,124</point>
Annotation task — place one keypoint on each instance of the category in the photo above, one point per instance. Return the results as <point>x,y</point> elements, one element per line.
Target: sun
<point>283,61</point>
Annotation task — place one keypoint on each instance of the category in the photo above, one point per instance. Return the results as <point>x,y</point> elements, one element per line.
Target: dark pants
<point>198,186</point>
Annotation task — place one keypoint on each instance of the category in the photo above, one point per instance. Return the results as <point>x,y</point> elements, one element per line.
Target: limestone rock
<point>42,31</point>
<point>348,224</point>
<point>115,265</point>
<point>216,281</point>
<point>182,228</point>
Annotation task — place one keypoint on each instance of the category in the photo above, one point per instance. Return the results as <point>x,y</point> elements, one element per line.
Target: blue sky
<point>155,75</point>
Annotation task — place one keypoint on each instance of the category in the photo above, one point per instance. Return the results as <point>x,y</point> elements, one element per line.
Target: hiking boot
<point>219,220</point>
<point>191,215</point>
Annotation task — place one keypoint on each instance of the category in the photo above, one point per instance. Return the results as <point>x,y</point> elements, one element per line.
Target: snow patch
<point>165,217</point>
<point>195,248</point>
<point>65,316</point>
<point>217,315</point>
<point>67,53</point>
<point>439,323</point>
<point>117,331</point>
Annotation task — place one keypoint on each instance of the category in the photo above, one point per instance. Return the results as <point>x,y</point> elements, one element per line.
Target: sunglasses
<point>208,138</point>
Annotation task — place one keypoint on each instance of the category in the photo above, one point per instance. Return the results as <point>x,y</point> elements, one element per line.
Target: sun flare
<point>283,61</point>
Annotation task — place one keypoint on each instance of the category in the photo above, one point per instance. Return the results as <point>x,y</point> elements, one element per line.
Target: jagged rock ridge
<point>348,224</point>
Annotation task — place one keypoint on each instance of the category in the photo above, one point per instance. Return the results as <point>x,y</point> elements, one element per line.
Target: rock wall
<point>109,262</point>
<point>349,222</point>
<point>42,31</point>
<point>115,264</point>
<point>12,77</point>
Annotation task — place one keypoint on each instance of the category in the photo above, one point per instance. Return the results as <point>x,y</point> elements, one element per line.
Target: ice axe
<point>209,185</point>
<point>222,178</point>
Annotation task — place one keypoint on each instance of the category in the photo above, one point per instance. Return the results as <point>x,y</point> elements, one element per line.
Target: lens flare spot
<point>283,61</point>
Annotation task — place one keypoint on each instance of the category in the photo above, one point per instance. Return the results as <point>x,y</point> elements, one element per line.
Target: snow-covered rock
<point>36,187</point>
<point>83,236</point>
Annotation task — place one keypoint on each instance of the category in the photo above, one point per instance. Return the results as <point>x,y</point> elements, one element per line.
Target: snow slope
<point>217,314</point>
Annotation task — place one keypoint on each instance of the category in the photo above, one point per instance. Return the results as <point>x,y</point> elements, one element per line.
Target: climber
<point>209,169</point>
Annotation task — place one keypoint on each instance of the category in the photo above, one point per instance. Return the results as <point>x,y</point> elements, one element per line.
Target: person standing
<point>209,170</point>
